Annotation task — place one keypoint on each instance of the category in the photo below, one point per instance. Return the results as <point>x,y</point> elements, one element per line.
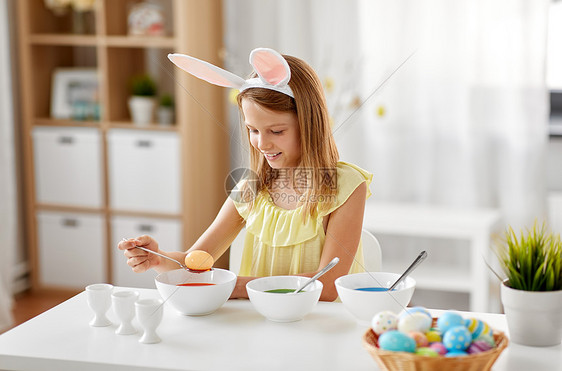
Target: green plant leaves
<point>532,261</point>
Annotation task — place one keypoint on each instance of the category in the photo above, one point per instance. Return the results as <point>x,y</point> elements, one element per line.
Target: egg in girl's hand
<point>384,321</point>
<point>199,260</point>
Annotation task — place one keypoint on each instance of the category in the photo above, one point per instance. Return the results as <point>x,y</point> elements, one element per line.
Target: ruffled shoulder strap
<point>350,176</point>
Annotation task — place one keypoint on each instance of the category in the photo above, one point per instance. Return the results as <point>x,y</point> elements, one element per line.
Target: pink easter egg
<point>421,339</point>
<point>478,346</point>
<point>438,347</point>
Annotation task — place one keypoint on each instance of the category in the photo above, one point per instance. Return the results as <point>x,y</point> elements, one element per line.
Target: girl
<point>304,208</point>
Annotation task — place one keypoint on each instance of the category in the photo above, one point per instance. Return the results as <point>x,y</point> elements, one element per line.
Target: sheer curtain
<point>463,120</point>
<point>8,196</point>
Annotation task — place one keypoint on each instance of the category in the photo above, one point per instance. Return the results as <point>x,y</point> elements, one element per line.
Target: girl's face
<point>275,134</point>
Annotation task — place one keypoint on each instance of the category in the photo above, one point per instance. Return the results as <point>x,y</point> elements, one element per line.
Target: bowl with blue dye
<point>366,294</point>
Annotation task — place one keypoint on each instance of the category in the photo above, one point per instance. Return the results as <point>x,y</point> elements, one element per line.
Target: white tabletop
<point>235,337</point>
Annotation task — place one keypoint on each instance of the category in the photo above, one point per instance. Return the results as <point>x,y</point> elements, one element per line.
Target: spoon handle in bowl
<point>161,255</point>
<point>421,257</point>
<point>317,275</point>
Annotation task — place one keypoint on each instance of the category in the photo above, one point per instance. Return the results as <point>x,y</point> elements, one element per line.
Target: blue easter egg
<point>477,327</point>
<point>456,353</point>
<point>397,341</point>
<point>449,320</point>
<point>457,338</point>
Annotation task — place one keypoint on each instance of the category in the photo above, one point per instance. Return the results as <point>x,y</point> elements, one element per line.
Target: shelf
<point>151,126</point>
<point>139,42</point>
<point>69,209</point>
<point>432,278</point>
<point>46,121</point>
<point>63,39</point>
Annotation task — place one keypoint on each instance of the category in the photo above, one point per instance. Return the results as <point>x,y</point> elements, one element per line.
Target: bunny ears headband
<point>272,69</point>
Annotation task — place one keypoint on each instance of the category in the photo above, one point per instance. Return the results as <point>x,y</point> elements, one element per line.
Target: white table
<point>235,337</point>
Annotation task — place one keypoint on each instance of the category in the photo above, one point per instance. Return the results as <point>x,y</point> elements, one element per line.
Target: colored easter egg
<point>412,310</point>
<point>384,321</point>
<point>433,336</point>
<point>489,338</point>
<point>478,346</point>
<point>414,322</point>
<point>449,320</point>
<point>439,348</point>
<point>426,352</point>
<point>477,327</point>
<point>419,338</point>
<point>457,338</point>
<point>397,341</point>
<point>456,353</point>
<point>199,260</point>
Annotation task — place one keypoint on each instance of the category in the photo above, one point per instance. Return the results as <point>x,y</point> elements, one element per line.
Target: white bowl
<point>196,300</point>
<point>365,304</point>
<point>283,307</point>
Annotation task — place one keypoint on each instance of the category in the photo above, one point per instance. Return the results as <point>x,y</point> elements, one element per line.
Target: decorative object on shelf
<point>532,292</point>
<point>166,110</point>
<point>75,95</point>
<point>146,19</point>
<point>83,21</point>
<point>142,102</point>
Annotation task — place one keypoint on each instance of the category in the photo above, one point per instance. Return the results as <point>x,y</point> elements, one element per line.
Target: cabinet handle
<point>144,143</point>
<point>145,228</point>
<point>70,223</point>
<point>66,140</point>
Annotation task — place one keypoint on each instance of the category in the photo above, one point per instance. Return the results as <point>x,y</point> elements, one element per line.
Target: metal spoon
<point>421,257</point>
<point>165,257</point>
<point>330,265</point>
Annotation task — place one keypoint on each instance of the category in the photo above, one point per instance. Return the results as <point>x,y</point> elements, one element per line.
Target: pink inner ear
<point>269,67</point>
<point>208,72</point>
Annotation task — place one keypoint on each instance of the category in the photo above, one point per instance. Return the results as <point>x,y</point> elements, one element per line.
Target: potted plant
<point>532,292</point>
<point>141,102</point>
<point>166,110</point>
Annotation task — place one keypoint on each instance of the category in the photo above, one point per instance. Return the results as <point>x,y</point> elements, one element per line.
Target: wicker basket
<point>403,361</point>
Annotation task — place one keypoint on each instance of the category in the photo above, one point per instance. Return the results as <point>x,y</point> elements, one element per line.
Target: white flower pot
<point>534,318</point>
<point>165,116</point>
<point>142,109</point>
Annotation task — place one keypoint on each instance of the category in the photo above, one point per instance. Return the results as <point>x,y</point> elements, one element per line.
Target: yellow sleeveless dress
<point>279,242</point>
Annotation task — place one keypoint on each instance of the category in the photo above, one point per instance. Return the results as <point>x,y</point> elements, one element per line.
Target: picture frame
<point>75,93</point>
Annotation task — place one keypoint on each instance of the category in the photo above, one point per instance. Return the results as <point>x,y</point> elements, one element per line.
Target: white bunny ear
<point>206,71</point>
<point>271,67</point>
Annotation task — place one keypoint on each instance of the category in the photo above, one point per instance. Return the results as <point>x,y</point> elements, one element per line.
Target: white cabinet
<point>166,231</point>
<point>144,171</point>
<point>68,167</point>
<point>71,249</point>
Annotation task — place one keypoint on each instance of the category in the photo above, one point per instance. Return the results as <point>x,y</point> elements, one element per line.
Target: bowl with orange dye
<point>196,293</point>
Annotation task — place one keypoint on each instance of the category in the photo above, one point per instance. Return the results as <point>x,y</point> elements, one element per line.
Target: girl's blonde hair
<point>319,154</point>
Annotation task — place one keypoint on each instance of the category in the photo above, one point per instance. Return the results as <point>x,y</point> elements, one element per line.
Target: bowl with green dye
<point>274,299</point>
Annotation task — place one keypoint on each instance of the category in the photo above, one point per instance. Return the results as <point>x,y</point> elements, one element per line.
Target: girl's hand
<point>138,260</point>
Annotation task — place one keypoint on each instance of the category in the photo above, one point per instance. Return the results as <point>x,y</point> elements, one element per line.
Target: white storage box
<point>144,171</point>
<point>72,251</point>
<point>68,168</point>
<point>167,232</point>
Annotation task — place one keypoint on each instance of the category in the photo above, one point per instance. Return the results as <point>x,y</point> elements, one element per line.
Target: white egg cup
<point>124,308</point>
<point>99,299</point>
<point>149,314</point>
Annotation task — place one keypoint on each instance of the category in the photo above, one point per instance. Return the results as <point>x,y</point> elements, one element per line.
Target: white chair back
<point>372,254</point>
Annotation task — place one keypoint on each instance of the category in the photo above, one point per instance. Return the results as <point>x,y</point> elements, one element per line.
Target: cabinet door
<point>72,250</point>
<point>144,171</point>
<point>68,166</point>
<point>166,231</point>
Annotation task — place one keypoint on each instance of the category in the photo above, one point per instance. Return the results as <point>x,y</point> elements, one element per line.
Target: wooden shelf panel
<point>138,42</point>
<point>46,121</point>
<point>63,39</point>
<point>151,126</point>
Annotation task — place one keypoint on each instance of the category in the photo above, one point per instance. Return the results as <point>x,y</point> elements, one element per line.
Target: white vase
<point>534,318</point>
<point>142,109</point>
<point>165,116</point>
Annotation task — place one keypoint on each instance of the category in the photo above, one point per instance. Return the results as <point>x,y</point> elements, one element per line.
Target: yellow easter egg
<point>199,260</point>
